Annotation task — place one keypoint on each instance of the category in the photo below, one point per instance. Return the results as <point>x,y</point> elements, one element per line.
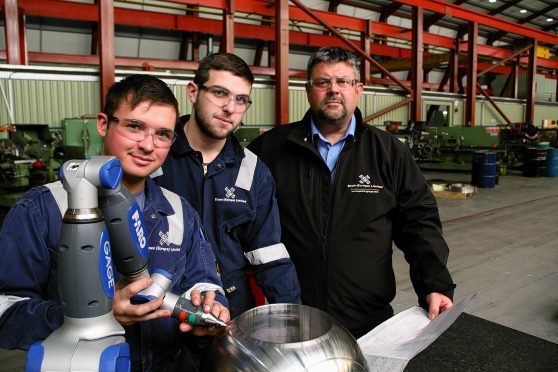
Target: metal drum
<point>484,172</point>
<point>552,163</point>
<point>285,337</point>
<point>534,162</point>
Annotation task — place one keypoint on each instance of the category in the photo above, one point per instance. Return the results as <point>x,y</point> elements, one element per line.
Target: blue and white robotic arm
<point>100,209</point>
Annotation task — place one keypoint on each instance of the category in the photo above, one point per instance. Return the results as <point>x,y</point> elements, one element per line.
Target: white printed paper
<point>391,345</point>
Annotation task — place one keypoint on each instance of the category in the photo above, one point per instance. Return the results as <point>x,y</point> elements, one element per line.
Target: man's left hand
<point>209,305</point>
<point>437,303</point>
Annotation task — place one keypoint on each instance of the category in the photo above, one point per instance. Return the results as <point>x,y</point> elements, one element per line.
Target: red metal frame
<point>16,53</point>
<point>87,12</point>
<point>106,46</point>
<point>456,11</point>
<point>12,29</point>
<point>282,62</point>
<point>416,66</point>
<point>471,74</point>
<point>531,84</point>
<point>227,46</point>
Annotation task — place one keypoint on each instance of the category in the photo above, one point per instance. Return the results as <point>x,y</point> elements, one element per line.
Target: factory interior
<point>469,86</point>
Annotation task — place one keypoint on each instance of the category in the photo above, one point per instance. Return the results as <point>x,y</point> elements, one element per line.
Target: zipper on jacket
<point>325,245</point>
<point>325,238</point>
<point>311,193</point>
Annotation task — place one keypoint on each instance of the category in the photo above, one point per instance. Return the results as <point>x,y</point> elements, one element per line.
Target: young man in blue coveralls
<point>137,124</point>
<point>229,186</point>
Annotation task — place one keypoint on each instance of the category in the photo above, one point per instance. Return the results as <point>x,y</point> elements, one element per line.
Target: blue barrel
<point>485,167</point>
<point>552,163</point>
<point>534,162</point>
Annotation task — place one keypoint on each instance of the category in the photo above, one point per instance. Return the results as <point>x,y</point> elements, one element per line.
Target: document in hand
<point>391,345</point>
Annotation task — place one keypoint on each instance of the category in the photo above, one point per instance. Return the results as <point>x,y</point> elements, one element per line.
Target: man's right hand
<point>126,312</point>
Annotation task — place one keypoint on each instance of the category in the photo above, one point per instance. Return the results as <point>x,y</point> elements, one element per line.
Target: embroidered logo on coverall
<point>229,192</point>
<point>230,197</point>
<point>165,244</point>
<point>364,185</point>
<point>164,238</point>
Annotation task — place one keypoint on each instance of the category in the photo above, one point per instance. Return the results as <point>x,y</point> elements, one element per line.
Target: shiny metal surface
<point>285,337</point>
<point>83,214</point>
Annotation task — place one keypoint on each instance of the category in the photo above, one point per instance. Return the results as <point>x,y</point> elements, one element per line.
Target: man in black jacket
<point>346,192</point>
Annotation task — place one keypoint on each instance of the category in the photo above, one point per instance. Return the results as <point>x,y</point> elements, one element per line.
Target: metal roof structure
<point>462,39</point>
<point>538,14</point>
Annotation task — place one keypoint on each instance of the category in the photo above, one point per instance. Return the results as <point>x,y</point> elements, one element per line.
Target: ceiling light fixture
<point>523,11</point>
<point>549,19</point>
<point>491,1</point>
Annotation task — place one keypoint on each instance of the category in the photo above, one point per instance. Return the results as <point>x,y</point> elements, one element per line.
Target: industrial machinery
<point>246,134</point>
<point>80,138</point>
<point>452,148</point>
<point>101,224</point>
<point>28,157</point>
<point>31,154</point>
<point>90,337</point>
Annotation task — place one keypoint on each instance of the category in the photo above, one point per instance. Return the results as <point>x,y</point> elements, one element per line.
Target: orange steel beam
<point>485,93</point>
<point>12,28</point>
<point>456,11</point>
<point>351,45</point>
<point>503,61</point>
<point>282,62</point>
<point>106,46</point>
<point>471,75</point>
<point>531,84</point>
<point>227,40</point>
<point>365,46</point>
<point>454,69</point>
<point>139,18</point>
<point>138,62</point>
<point>417,64</point>
<point>386,110</point>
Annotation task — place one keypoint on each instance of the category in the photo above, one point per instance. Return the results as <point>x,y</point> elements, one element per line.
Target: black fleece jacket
<point>339,230</point>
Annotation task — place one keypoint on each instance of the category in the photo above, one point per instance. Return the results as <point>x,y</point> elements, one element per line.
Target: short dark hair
<point>333,55</point>
<point>138,88</point>
<point>224,62</point>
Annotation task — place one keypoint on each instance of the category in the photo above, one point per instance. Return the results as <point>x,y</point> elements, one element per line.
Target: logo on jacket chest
<point>165,244</point>
<point>364,184</point>
<point>229,196</point>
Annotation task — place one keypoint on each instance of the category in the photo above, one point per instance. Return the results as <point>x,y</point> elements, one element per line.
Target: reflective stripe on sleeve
<point>60,195</point>
<point>6,301</point>
<point>176,221</point>
<point>267,254</point>
<point>203,287</point>
<point>247,170</point>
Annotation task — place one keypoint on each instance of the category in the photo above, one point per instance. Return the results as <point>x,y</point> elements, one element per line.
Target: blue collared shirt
<point>330,153</point>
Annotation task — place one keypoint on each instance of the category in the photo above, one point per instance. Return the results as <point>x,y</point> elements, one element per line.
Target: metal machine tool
<point>90,338</point>
<point>27,159</point>
<point>180,307</point>
<point>129,249</point>
<point>452,148</point>
<point>102,224</point>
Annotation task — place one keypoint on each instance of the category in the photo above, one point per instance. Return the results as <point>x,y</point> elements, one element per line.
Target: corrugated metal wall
<point>485,114</point>
<point>545,113</point>
<point>48,101</point>
<point>43,100</point>
<point>372,102</point>
<point>261,112</point>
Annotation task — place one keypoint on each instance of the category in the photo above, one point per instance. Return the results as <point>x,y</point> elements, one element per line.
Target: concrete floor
<point>503,243</point>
